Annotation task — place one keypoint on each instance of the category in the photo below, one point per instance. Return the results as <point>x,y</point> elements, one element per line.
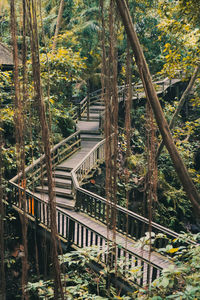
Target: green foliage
<point>181,38</point>
<point>65,67</point>
<point>179,281</point>
<point>79,281</point>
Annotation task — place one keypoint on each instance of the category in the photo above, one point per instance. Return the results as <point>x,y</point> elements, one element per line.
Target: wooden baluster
<point>67,228</point>
<point>35,208</point>
<point>118,221</point>
<point>96,239</point>
<point>130,258</point>
<point>58,222</point>
<point>79,111</point>
<point>95,207</point>
<point>92,206</point>
<point>99,210</point>
<point>82,235</point>
<point>131,226</point>
<point>86,237</point>
<point>78,232</point>
<point>154,274</point>
<point>124,223</point>
<point>63,220</point>
<point>103,214</point>
<point>39,211</point>
<point>137,231</point>
<point>88,107</point>
<point>71,230</point>
<point>91,238</point>
<point>44,214</point>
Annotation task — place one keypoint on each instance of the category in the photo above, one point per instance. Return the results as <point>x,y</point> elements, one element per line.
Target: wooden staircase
<point>93,111</point>
<point>90,136</point>
<point>86,226</point>
<point>62,187</point>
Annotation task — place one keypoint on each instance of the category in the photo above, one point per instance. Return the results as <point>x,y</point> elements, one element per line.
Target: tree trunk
<point>58,289</point>
<point>179,107</point>
<point>2,283</point>
<point>20,148</point>
<point>152,97</point>
<point>59,19</point>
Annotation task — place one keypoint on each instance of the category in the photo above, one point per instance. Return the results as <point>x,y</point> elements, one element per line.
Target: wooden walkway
<point>85,229</point>
<point>90,136</point>
<point>121,240</point>
<point>62,177</point>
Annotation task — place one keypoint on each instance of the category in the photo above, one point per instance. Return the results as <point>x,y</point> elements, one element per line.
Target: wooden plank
<point>155,257</point>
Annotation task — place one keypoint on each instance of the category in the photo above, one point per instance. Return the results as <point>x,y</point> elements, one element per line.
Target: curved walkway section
<point>85,226</point>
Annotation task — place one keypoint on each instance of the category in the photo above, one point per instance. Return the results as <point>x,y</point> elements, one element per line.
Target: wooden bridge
<point>81,214</point>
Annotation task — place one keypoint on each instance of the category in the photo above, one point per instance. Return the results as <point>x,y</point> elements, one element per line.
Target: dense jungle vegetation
<point>71,68</point>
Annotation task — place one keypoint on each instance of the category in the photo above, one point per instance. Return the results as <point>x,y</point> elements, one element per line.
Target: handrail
<point>59,152</point>
<point>92,204</point>
<point>77,187</point>
<point>89,203</point>
<point>81,235</point>
<point>121,89</point>
<point>74,171</point>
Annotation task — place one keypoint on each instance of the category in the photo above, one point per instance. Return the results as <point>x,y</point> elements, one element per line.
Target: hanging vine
<point>151,196</point>
<point>31,5</point>
<point>128,129</point>
<point>20,147</point>
<point>2,214</point>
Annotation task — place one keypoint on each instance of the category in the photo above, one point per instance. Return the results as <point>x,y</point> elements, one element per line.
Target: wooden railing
<point>69,228</point>
<point>82,107</point>
<point>61,151</point>
<point>73,113</point>
<point>72,230</point>
<point>94,158</point>
<point>127,222</point>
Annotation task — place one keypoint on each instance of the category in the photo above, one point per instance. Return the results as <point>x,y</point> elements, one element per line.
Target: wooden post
<point>79,111</point>
<point>152,97</point>
<point>88,108</point>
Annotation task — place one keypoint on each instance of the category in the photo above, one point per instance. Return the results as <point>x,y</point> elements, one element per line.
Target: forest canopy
<point>68,56</point>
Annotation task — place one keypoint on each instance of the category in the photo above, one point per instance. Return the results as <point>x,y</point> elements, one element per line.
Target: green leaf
<point>164,282</point>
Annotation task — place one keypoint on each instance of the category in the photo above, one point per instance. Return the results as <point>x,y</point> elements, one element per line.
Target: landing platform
<point>121,240</point>
<point>88,126</point>
<point>77,157</point>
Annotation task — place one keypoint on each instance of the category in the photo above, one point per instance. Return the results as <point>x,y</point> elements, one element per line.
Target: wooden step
<point>91,137</point>
<point>92,116</point>
<point>92,132</point>
<point>91,120</point>
<point>60,182</point>
<point>62,174</point>
<point>95,108</point>
<point>65,203</point>
<point>60,201</point>
<point>62,167</point>
<point>98,103</point>
<point>65,193</point>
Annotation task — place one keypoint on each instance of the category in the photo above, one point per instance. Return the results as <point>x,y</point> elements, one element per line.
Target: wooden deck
<point>73,161</point>
<point>82,227</point>
<point>121,240</point>
<point>88,226</point>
